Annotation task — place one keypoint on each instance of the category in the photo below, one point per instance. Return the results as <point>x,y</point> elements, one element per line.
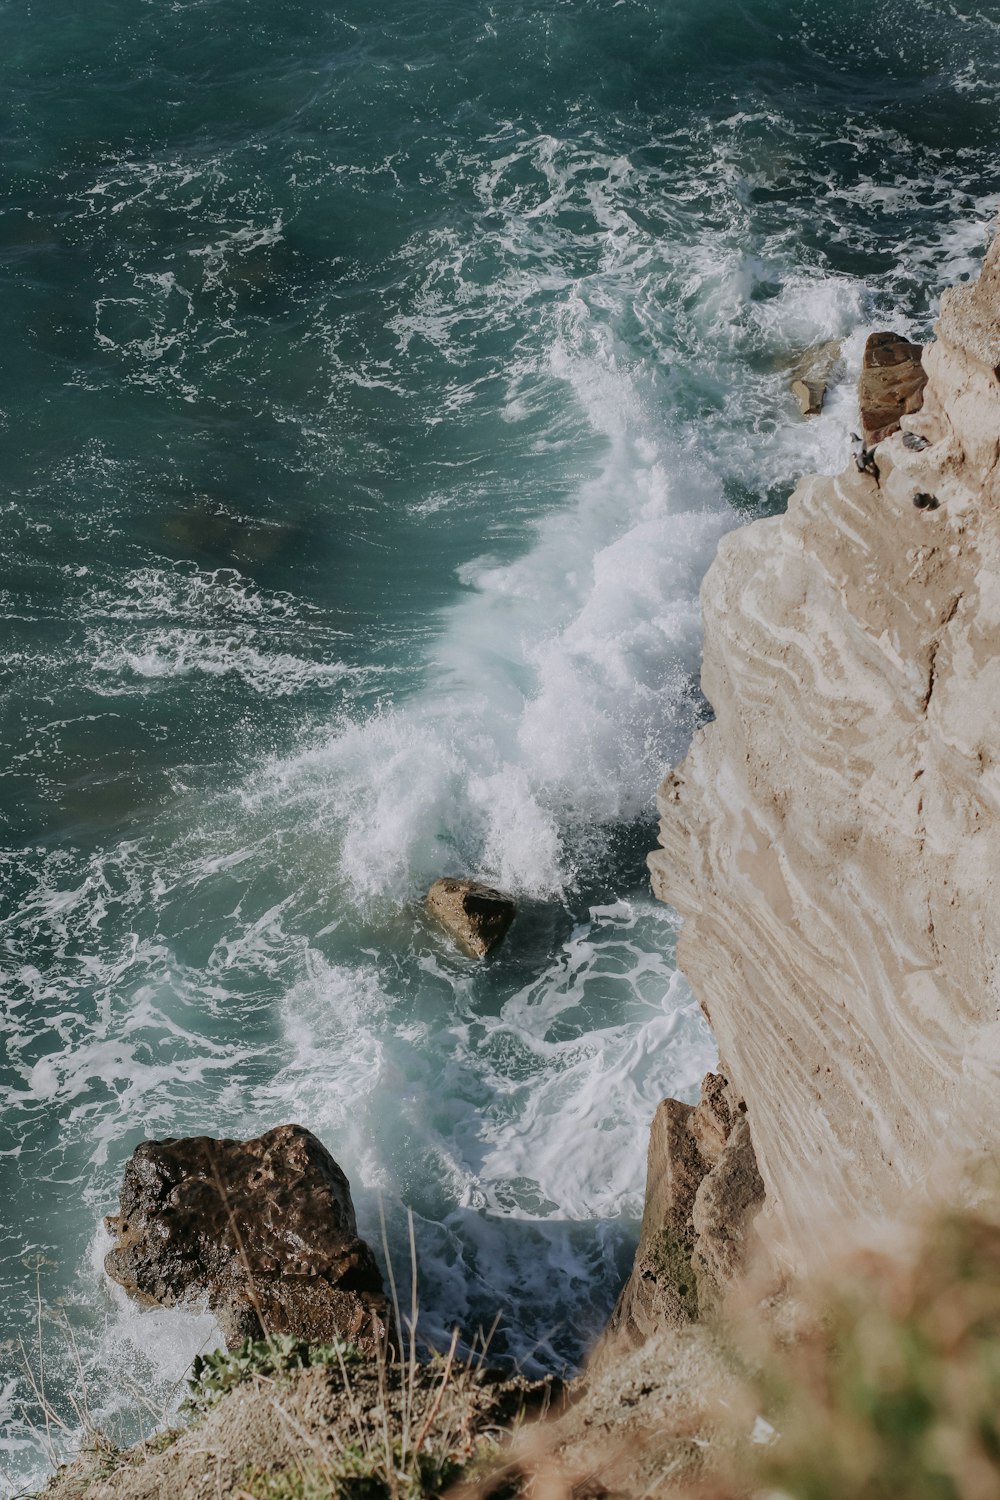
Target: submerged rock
<point>216,533</point>
<point>476,915</point>
<point>891,385</point>
<point>264,1229</point>
<point>811,375</point>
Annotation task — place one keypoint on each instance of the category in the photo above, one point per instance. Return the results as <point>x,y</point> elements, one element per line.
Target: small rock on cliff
<point>265,1229</point>
<point>476,915</point>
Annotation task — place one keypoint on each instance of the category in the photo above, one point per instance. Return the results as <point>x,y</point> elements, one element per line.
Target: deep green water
<point>376,382</point>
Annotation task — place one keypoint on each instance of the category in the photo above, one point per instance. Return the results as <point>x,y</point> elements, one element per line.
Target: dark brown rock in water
<point>703,1191</point>
<point>476,915</point>
<point>264,1229</point>
<point>891,385</point>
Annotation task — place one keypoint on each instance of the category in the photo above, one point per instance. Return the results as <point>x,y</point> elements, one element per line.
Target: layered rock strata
<point>264,1230</point>
<point>702,1194</point>
<point>833,839</point>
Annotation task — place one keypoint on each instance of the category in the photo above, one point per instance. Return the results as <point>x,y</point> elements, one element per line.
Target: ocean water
<point>377,381</point>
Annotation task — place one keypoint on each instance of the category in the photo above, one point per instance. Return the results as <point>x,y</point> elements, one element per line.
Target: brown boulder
<point>891,385</point>
<point>264,1229</point>
<point>476,915</point>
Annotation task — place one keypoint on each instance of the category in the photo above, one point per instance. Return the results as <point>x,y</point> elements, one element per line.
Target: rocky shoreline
<point>832,843</point>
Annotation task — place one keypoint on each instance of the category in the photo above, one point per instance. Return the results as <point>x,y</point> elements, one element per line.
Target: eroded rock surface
<point>833,838</point>
<point>476,915</point>
<point>891,385</point>
<point>702,1193</point>
<point>264,1229</point>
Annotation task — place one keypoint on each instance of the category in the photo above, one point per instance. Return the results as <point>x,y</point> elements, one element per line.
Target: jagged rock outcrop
<point>264,1229</point>
<point>476,915</point>
<point>833,838</point>
<point>702,1193</point>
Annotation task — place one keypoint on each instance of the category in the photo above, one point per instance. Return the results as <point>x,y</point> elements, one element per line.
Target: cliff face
<point>833,838</point>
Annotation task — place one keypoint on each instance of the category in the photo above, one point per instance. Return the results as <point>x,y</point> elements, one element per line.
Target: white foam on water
<point>183,591</point>
<point>560,685</point>
<point>156,654</point>
<point>569,1117</point>
<point>150,1348</point>
<point>160,623</point>
<point>122,1370</point>
<point>504,1132</point>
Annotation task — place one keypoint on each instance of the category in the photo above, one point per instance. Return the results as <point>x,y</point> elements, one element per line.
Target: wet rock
<point>811,375</point>
<point>476,915</point>
<point>891,385</point>
<point>263,1229</point>
<point>702,1194</point>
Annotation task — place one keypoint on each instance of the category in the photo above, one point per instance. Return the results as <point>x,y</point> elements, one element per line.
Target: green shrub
<point>215,1375</point>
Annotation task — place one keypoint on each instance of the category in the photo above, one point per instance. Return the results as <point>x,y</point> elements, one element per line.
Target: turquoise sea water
<point>376,383</point>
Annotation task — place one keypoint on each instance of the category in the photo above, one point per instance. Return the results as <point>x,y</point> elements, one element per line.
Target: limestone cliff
<point>833,838</point>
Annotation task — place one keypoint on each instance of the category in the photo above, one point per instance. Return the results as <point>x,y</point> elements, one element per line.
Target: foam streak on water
<point>375,397</point>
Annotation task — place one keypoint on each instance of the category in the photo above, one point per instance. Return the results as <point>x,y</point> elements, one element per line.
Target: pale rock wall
<point>833,838</point>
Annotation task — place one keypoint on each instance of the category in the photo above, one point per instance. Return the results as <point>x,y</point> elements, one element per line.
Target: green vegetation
<point>162,1440</point>
<point>215,1375</point>
<point>356,1474</point>
<point>895,1390</point>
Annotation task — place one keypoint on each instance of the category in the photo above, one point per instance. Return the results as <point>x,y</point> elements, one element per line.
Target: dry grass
<point>882,1382</point>
<point>283,1420</point>
<point>885,1384</point>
